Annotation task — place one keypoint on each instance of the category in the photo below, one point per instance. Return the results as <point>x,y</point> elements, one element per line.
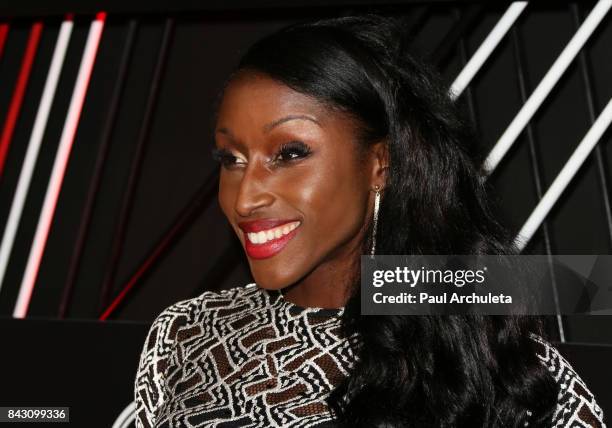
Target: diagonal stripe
<point>59,166</point>
<point>94,186</point>
<point>136,165</point>
<point>19,91</point>
<point>199,202</point>
<point>487,47</point>
<point>3,33</point>
<point>590,104</point>
<point>40,123</point>
<point>547,84</point>
<point>568,172</point>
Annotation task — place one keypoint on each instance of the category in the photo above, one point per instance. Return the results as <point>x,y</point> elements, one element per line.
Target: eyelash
<point>293,147</point>
<point>227,159</point>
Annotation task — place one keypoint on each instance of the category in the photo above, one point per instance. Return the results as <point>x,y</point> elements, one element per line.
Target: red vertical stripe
<point>17,99</point>
<point>3,33</point>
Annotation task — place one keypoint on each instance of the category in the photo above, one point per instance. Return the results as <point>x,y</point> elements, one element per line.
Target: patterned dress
<point>246,357</point>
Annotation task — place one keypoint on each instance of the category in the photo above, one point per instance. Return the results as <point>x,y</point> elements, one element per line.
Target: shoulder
<point>178,320</point>
<point>576,405</point>
<point>161,353</point>
<point>183,321</point>
<point>172,322</point>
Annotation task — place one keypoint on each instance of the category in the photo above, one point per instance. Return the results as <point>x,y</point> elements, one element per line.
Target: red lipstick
<point>271,247</point>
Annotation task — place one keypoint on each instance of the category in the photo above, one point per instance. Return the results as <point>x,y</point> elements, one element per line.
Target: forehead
<point>256,99</point>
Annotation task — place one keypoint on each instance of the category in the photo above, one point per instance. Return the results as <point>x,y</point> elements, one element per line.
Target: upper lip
<point>264,224</point>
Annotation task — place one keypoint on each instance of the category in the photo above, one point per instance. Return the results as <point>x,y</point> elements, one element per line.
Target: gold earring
<point>374,226</point>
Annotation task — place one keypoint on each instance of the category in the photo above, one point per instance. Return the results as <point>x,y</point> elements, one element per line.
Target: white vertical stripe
<point>568,172</point>
<point>487,47</point>
<point>59,168</point>
<point>546,85</point>
<point>40,123</point>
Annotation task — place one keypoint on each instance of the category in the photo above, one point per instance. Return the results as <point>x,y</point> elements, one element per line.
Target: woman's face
<point>294,185</point>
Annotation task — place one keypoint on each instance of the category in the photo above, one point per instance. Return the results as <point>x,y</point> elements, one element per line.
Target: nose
<point>253,193</point>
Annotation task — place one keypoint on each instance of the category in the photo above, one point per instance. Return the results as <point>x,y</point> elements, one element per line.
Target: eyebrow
<point>225,131</point>
<point>271,125</point>
<point>268,127</point>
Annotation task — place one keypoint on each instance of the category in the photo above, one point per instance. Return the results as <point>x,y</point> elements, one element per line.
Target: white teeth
<point>267,235</point>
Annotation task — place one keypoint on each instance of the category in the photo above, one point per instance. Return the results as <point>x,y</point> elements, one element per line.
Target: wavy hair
<point>415,371</point>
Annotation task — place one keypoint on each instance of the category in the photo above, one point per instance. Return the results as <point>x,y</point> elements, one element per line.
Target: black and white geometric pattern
<point>576,405</point>
<point>246,357</point>
<point>243,357</point>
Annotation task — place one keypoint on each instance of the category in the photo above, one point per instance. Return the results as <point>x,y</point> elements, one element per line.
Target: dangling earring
<point>376,208</point>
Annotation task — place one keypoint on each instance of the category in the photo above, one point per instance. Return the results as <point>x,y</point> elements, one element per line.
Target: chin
<point>270,284</point>
<point>273,280</point>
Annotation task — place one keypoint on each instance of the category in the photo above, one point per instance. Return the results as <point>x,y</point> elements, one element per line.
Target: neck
<point>328,286</point>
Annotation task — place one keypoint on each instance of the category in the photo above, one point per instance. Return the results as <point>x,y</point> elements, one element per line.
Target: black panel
<point>93,374</point>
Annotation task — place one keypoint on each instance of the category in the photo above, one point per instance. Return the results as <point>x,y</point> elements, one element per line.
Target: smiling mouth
<point>267,243</point>
<point>265,236</point>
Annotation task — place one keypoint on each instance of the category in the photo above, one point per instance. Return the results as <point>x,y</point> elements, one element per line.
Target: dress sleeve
<point>576,405</point>
<point>150,384</point>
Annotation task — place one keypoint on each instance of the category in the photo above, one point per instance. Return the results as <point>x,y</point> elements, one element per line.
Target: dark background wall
<point>178,174</point>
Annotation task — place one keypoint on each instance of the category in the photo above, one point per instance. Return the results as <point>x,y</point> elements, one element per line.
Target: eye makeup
<point>287,153</point>
<point>292,151</point>
<point>223,156</point>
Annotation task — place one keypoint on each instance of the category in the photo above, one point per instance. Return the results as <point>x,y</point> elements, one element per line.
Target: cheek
<point>333,201</point>
<point>226,194</point>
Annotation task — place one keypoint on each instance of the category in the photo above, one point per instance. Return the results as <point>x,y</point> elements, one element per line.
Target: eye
<point>293,150</point>
<point>225,157</point>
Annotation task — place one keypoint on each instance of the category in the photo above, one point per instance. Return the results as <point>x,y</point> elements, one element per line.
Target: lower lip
<point>270,248</point>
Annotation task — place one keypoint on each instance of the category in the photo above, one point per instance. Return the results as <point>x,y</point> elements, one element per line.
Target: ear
<point>379,153</point>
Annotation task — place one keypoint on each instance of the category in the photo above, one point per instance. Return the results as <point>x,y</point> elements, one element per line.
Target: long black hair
<point>415,371</point>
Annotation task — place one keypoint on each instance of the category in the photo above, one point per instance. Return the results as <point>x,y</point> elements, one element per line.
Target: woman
<point>334,142</point>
